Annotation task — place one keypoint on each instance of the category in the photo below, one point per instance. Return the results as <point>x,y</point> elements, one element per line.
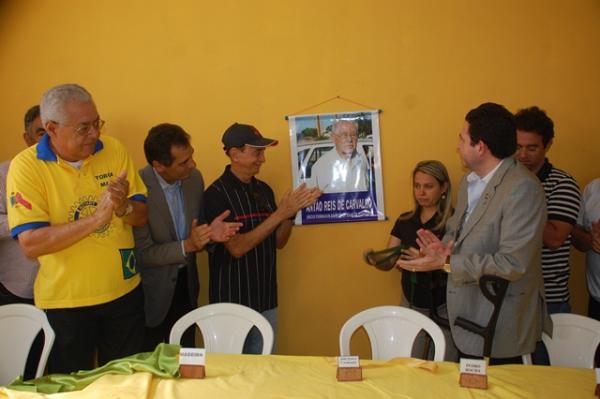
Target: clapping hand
<point>299,198</point>
<point>118,190</point>
<point>222,231</point>
<point>410,254</point>
<point>104,209</point>
<point>199,237</point>
<point>434,253</point>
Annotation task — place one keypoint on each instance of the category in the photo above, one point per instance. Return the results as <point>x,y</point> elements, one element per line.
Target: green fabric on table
<point>163,362</point>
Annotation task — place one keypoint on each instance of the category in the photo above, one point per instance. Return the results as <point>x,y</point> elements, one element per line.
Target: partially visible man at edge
<point>74,200</point>
<point>586,238</point>
<point>17,272</point>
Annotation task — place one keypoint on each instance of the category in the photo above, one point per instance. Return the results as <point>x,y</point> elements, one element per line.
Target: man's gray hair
<point>339,122</point>
<point>54,101</point>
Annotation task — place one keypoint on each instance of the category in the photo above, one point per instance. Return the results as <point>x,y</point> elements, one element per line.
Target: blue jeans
<point>254,341</point>
<point>540,356</point>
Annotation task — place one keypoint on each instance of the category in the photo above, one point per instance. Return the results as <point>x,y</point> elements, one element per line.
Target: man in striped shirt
<point>243,270</point>
<point>586,238</point>
<point>535,133</point>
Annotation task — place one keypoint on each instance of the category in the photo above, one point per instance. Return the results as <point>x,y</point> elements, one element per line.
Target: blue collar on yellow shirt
<point>45,153</point>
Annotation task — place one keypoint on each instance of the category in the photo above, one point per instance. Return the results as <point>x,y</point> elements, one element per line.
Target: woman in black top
<point>426,291</point>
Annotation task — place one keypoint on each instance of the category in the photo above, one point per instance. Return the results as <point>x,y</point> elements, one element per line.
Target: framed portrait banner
<point>340,154</point>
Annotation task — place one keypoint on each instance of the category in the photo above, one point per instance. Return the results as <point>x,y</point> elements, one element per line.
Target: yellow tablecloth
<point>247,376</point>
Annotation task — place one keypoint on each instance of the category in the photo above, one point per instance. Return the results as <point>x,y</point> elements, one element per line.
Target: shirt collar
<point>232,179</point>
<point>474,177</point>
<point>545,170</point>
<point>164,184</point>
<point>45,153</point>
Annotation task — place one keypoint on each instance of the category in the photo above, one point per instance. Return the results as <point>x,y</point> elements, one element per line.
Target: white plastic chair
<point>392,331</point>
<point>574,340</point>
<point>224,327</point>
<point>19,325</point>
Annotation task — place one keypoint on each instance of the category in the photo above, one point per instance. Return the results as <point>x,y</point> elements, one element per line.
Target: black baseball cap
<point>239,135</point>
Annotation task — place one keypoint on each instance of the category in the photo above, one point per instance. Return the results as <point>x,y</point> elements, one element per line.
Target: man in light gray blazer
<point>166,247</point>
<point>496,230</point>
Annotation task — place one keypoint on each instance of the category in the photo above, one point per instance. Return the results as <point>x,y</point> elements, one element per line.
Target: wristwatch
<point>446,266</point>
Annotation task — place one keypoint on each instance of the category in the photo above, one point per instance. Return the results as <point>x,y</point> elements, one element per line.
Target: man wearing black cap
<point>242,270</point>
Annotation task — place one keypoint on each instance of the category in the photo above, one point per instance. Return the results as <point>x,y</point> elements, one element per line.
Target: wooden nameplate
<point>349,369</point>
<point>349,374</point>
<point>477,381</point>
<point>191,371</point>
<point>191,363</point>
<point>473,373</point>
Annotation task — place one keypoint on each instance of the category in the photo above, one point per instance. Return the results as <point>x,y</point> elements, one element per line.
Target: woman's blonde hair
<point>437,170</point>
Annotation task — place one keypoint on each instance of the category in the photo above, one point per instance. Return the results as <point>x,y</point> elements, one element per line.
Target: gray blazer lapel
<point>192,189</point>
<point>188,205</point>
<point>459,213</point>
<point>160,202</point>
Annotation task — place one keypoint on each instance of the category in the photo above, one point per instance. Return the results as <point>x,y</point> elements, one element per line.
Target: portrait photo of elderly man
<point>344,168</point>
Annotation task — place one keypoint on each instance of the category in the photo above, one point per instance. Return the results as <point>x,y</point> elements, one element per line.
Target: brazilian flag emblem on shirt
<point>128,263</point>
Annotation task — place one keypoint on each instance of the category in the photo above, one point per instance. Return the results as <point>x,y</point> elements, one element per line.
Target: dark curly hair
<point>535,120</point>
<point>157,146</point>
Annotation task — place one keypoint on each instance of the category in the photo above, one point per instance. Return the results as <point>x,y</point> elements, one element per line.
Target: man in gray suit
<point>166,247</point>
<point>496,230</point>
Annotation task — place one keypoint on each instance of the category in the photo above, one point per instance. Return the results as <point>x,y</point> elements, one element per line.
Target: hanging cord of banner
<point>328,100</point>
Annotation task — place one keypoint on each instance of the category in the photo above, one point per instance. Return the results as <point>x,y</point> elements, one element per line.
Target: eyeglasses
<point>347,136</point>
<point>84,129</point>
